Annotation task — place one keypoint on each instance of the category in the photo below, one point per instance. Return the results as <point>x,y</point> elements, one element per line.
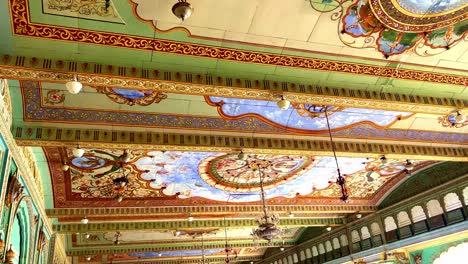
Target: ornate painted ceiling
<point>185,98</point>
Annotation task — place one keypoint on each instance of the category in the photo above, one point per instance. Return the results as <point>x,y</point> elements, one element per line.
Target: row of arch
<point>420,218</point>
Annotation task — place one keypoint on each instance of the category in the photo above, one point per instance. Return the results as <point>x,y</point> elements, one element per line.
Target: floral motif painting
<point>178,174</point>
<point>101,10</point>
<point>395,27</point>
<point>131,96</point>
<point>303,117</point>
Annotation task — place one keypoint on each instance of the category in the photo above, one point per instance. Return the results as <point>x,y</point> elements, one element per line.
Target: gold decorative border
<point>22,26</point>
<point>318,95</point>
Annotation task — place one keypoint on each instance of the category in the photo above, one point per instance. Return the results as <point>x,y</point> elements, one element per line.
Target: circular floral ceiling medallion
<point>228,172</point>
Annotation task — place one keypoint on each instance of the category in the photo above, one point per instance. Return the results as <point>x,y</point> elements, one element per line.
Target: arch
<point>452,202</point>
<point>290,260</point>
<point>434,208</point>
<point>276,262</point>
<point>280,261</point>
<point>314,251</point>
<point>328,246</point>
<point>389,224</point>
<point>375,229</point>
<point>403,219</point>
<point>465,195</point>
<point>22,222</point>
<point>336,243</point>
<point>344,240</point>
<point>417,214</point>
<point>308,253</point>
<point>365,233</point>
<point>355,236</point>
<point>295,258</point>
<point>302,255</point>
<point>285,260</point>
<point>321,248</point>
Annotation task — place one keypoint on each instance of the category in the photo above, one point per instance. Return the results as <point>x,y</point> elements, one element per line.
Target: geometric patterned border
<point>21,68</point>
<point>184,224</point>
<point>19,13</point>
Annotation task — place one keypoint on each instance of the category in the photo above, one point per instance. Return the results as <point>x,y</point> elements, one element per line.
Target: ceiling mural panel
<point>175,178</point>
<point>304,117</point>
<point>360,21</point>
<point>100,10</point>
<point>48,102</point>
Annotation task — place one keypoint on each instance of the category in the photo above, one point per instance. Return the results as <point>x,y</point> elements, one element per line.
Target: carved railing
<point>431,211</point>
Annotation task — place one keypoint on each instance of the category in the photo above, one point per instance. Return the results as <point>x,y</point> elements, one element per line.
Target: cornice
<point>174,225</point>
<point>46,70</point>
<point>94,138</point>
<point>240,211</point>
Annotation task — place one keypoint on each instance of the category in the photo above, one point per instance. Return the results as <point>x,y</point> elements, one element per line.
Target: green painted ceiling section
<point>18,45</point>
<point>426,180</point>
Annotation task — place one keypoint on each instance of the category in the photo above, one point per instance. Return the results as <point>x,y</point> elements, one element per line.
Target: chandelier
<point>267,223</point>
<point>340,180</point>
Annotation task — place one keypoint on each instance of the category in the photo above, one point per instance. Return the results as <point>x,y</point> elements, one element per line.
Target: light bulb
<point>88,258</point>
<point>87,235</point>
<point>328,228</point>
<point>409,165</point>
<point>85,221</point>
<point>74,86</point>
<point>383,159</point>
<point>283,104</point>
<point>358,216</point>
<point>65,167</point>
<point>282,248</point>
<point>291,215</point>
<point>119,198</point>
<point>460,118</point>
<point>78,152</point>
<point>190,218</point>
<point>242,156</point>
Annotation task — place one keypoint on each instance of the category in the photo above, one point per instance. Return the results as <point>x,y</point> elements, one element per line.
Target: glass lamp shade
<point>182,10</point>
<point>73,87</point>
<point>283,104</point>
<point>460,118</point>
<point>85,221</point>
<point>78,152</point>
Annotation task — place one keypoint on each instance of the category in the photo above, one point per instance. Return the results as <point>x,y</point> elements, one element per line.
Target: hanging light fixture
<point>74,86</point>
<point>182,9</point>
<point>340,180</point>
<point>267,223</point>
<point>78,152</point>
<point>459,117</point>
<point>203,249</point>
<point>227,249</point>
<point>283,104</point>
<point>117,236</point>
<point>125,157</point>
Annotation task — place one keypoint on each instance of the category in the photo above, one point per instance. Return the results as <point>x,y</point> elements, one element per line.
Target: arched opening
<point>344,245</point>
<point>404,224</point>
<point>391,233</point>
<point>376,234</point>
<point>308,253</point>
<point>355,239</point>
<point>436,214</point>
<point>20,234</point>
<point>365,238</point>
<point>419,220</point>
<point>454,209</point>
<point>321,250</point>
<point>336,247</point>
